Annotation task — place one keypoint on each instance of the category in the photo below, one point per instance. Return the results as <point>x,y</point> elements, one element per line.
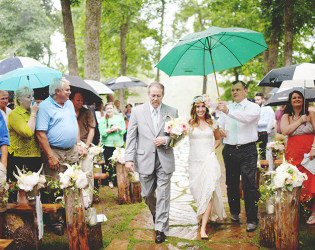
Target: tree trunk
<point>92,40</point>
<point>123,56</point>
<point>95,236</point>
<point>123,184</point>
<point>287,223</point>
<point>135,192</point>
<point>204,85</point>
<point>160,41</point>
<point>267,231</point>
<point>75,217</point>
<point>288,31</point>
<point>236,74</point>
<point>69,37</point>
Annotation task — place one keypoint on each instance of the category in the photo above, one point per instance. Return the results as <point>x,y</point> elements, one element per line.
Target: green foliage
<point>26,27</point>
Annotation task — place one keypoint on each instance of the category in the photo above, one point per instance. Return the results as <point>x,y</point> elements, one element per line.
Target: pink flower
<point>168,129</point>
<point>183,127</point>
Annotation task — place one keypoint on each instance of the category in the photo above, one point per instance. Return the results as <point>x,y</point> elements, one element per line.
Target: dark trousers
<point>262,140</point>
<point>108,152</point>
<point>241,162</point>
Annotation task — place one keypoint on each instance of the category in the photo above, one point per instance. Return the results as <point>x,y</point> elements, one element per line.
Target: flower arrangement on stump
<point>277,148</point>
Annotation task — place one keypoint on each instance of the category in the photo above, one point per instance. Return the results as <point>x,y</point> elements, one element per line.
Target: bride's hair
<point>194,120</point>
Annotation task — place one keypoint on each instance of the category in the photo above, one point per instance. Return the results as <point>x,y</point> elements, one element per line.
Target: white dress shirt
<point>264,119</point>
<point>240,123</point>
<point>272,119</point>
<point>6,114</point>
<point>158,112</point>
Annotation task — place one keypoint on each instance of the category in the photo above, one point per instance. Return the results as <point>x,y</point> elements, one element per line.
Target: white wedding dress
<point>204,173</point>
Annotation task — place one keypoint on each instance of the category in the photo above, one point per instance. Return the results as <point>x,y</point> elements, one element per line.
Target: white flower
<point>118,155</point>
<point>28,181</point>
<point>82,180</point>
<point>96,150</point>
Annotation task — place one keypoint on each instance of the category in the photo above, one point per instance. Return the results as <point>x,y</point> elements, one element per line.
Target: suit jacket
<point>139,145</point>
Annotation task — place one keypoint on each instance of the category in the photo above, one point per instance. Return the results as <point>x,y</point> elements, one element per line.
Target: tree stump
<point>95,236</point>
<point>123,184</point>
<point>135,188</point>
<point>267,230</point>
<point>75,216</point>
<point>287,223</point>
<point>20,228</point>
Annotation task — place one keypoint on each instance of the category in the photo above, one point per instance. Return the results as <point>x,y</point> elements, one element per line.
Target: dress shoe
<point>251,226</point>
<point>235,218</point>
<point>58,230</point>
<point>159,237</point>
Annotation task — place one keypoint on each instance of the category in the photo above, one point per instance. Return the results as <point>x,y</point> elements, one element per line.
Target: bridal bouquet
<point>177,129</point>
<point>118,156</point>
<point>73,177</point>
<point>30,182</point>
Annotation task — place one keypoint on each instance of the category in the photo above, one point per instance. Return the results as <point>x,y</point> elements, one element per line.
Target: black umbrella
<point>281,97</point>
<point>298,75</point>
<point>12,63</point>
<point>77,84</point>
<point>124,82</point>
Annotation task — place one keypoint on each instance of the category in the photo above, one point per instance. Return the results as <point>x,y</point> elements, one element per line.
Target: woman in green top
<point>112,129</point>
<point>24,149</point>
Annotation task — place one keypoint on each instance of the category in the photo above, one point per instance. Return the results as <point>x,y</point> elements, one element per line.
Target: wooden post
<point>1,223</point>
<point>123,184</point>
<point>76,224</point>
<point>287,223</point>
<point>95,236</point>
<point>267,231</point>
<point>135,188</point>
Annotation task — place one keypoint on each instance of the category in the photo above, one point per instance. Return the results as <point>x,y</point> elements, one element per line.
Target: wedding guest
<point>112,129</point>
<point>239,122</point>
<point>57,132</point>
<point>24,151</point>
<point>4,100</point>
<point>117,106</point>
<point>299,124</point>
<point>262,125</point>
<point>4,142</point>
<point>99,111</point>
<point>87,125</point>
<point>127,114</point>
<point>278,115</point>
<point>204,168</point>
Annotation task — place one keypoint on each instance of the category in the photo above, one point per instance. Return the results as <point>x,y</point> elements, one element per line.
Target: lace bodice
<point>200,141</point>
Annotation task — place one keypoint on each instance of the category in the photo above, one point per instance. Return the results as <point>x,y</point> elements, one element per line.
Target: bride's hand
<point>212,150</point>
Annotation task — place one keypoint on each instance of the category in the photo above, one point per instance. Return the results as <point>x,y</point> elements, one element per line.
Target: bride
<point>204,168</point>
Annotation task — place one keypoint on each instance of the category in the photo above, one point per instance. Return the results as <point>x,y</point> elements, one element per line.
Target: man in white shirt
<point>4,100</point>
<point>239,122</point>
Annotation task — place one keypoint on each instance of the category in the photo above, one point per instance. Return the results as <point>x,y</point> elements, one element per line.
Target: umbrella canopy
<point>77,84</point>
<point>212,50</point>
<point>12,63</point>
<point>282,96</point>
<point>99,87</point>
<point>33,77</point>
<point>124,82</point>
<point>298,75</point>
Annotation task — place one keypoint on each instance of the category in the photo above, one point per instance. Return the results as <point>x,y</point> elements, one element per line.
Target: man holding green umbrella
<point>239,121</point>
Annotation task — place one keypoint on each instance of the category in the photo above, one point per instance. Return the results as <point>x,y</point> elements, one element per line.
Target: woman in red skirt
<point>299,124</point>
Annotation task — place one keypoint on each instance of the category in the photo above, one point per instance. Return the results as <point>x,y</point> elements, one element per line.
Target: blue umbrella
<point>33,77</point>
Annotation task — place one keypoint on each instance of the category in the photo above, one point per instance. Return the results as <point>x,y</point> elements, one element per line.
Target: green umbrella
<point>212,50</point>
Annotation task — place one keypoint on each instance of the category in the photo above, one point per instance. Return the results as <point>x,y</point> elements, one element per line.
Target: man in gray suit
<point>149,154</point>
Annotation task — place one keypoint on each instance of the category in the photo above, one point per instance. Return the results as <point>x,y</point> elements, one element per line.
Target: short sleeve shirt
<point>59,122</point>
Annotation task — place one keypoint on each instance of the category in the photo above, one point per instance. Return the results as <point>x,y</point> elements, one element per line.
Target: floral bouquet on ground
<point>30,182</point>
<point>177,129</point>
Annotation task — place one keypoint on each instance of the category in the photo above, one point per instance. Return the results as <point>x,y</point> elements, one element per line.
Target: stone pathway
<point>183,222</point>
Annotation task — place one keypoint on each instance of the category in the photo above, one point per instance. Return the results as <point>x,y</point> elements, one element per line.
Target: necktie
<point>155,119</point>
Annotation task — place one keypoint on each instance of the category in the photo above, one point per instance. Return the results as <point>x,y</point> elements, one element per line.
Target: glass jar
<point>270,205</point>
<point>91,216</point>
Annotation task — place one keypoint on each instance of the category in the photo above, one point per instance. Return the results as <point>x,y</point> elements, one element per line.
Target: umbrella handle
<point>215,77</point>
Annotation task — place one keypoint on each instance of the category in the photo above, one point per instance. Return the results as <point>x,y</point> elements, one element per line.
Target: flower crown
<point>202,98</point>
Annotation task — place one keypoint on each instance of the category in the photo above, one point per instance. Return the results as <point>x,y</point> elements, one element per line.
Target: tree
<point>92,40</point>
<point>288,6</point>
<point>26,27</point>
<point>69,37</point>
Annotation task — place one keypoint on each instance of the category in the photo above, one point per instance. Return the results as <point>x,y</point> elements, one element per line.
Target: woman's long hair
<point>107,116</point>
<point>289,109</point>
<point>194,120</point>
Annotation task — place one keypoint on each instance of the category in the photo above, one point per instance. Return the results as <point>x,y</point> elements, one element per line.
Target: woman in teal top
<point>112,129</point>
